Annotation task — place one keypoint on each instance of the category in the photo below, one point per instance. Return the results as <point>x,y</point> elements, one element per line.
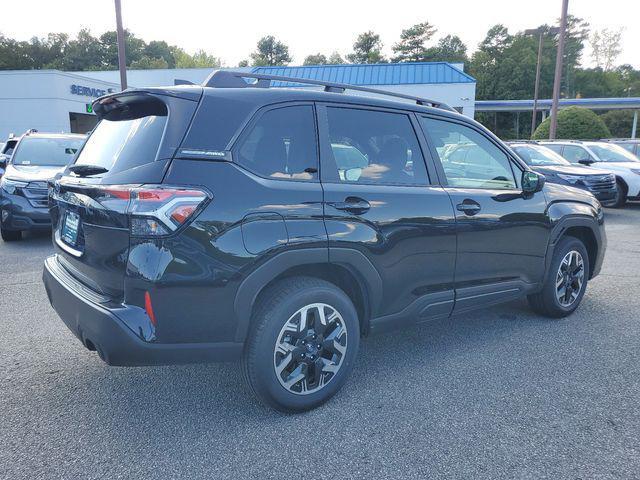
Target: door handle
<point>355,205</point>
<point>469,207</point>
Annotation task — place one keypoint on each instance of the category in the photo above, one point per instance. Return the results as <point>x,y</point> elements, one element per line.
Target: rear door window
<point>374,147</point>
<point>281,144</point>
<point>118,145</point>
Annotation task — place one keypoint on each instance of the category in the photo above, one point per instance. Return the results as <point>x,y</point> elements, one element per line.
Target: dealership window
<point>82,122</point>
<point>282,144</point>
<point>371,146</point>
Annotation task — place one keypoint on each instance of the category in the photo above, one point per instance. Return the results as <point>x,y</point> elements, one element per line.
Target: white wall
<point>42,99</point>
<point>152,78</point>
<point>461,95</point>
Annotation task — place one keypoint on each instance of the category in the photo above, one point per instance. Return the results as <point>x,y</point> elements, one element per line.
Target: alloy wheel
<point>310,349</point>
<point>570,278</point>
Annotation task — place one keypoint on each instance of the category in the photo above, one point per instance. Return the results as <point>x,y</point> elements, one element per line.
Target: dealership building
<point>56,101</point>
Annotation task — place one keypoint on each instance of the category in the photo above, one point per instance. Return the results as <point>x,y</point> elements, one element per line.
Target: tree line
<point>87,52</point>
<point>504,62</point>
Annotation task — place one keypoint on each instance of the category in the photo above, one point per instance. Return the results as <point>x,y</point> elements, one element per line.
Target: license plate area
<point>70,228</point>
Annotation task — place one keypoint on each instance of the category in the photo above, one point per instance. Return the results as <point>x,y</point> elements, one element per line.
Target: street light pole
<point>122,63</point>
<point>558,74</point>
<point>536,88</point>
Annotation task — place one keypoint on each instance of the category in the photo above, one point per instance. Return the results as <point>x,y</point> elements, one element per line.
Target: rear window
<point>119,145</point>
<point>46,151</point>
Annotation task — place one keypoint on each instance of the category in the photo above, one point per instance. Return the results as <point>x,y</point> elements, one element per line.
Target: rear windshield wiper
<point>87,170</point>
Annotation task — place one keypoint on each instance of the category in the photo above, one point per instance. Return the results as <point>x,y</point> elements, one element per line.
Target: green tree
<point>202,59</point>
<point>367,49</point>
<point>315,59</point>
<point>575,40</point>
<point>85,52</point>
<point>335,59</point>
<point>148,63</point>
<point>270,51</point>
<point>181,58</point>
<point>243,63</point>
<point>134,48</point>
<point>575,123</point>
<point>160,49</point>
<point>412,45</point>
<point>606,47</point>
<point>619,122</point>
<point>449,49</point>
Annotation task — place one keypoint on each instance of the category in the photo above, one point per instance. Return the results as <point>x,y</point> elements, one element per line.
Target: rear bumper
<point>19,214</point>
<point>98,326</point>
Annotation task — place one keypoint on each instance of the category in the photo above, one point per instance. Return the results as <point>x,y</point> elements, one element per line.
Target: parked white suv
<point>605,156</point>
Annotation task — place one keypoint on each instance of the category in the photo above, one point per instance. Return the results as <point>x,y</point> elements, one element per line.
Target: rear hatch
<point>124,158</point>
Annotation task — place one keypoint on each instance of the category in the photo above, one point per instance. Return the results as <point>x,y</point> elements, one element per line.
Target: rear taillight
<point>162,210</point>
<point>153,210</point>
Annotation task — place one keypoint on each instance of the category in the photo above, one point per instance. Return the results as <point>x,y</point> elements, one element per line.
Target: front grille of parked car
<point>600,183</point>
<point>36,193</point>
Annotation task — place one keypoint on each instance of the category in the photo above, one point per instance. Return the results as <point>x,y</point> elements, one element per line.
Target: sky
<point>230,29</point>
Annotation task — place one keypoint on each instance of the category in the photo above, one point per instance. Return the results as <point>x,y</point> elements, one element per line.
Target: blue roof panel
<point>375,74</point>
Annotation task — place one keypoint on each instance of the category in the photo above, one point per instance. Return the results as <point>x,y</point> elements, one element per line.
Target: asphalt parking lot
<point>500,393</point>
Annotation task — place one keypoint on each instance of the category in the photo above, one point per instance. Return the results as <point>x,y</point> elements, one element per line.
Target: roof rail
<point>232,79</point>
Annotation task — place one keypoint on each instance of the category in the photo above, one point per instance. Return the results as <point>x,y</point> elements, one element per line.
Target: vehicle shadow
<point>157,400</point>
<point>39,237</point>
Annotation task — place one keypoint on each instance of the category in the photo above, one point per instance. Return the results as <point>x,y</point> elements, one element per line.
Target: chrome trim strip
<point>65,247</point>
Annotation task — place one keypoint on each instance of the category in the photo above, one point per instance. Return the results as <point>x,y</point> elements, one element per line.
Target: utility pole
<point>122,63</point>
<point>537,87</point>
<point>541,32</point>
<point>558,74</point>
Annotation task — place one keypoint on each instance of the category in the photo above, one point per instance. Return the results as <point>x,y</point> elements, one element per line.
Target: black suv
<point>279,225</point>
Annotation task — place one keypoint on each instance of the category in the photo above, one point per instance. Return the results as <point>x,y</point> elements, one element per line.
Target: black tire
<point>10,235</point>
<point>621,195</point>
<point>546,302</point>
<point>274,309</point>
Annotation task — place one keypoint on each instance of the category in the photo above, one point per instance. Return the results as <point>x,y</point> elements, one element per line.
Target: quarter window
<point>469,159</point>
<point>371,146</point>
<point>282,144</point>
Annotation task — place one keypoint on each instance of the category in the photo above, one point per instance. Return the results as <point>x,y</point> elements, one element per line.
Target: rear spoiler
<point>138,102</point>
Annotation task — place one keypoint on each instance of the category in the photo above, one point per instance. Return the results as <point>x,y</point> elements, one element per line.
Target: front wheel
<point>565,282</point>
<point>10,235</point>
<point>621,195</point>
<point>302,344</point>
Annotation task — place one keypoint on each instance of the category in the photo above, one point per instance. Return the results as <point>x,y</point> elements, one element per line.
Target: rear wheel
<point>10,235</point>
<point>302,344</point>
<point>566,280</point>
<point>621,195</point>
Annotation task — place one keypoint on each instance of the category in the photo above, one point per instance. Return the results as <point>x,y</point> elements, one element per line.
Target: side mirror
<point>532,182</point>
<point>586,161</point>
<point>3,161</point>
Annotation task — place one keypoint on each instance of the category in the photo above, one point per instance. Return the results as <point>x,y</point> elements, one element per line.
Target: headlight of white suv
<point>10,186</point>
<point>636,171</point>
